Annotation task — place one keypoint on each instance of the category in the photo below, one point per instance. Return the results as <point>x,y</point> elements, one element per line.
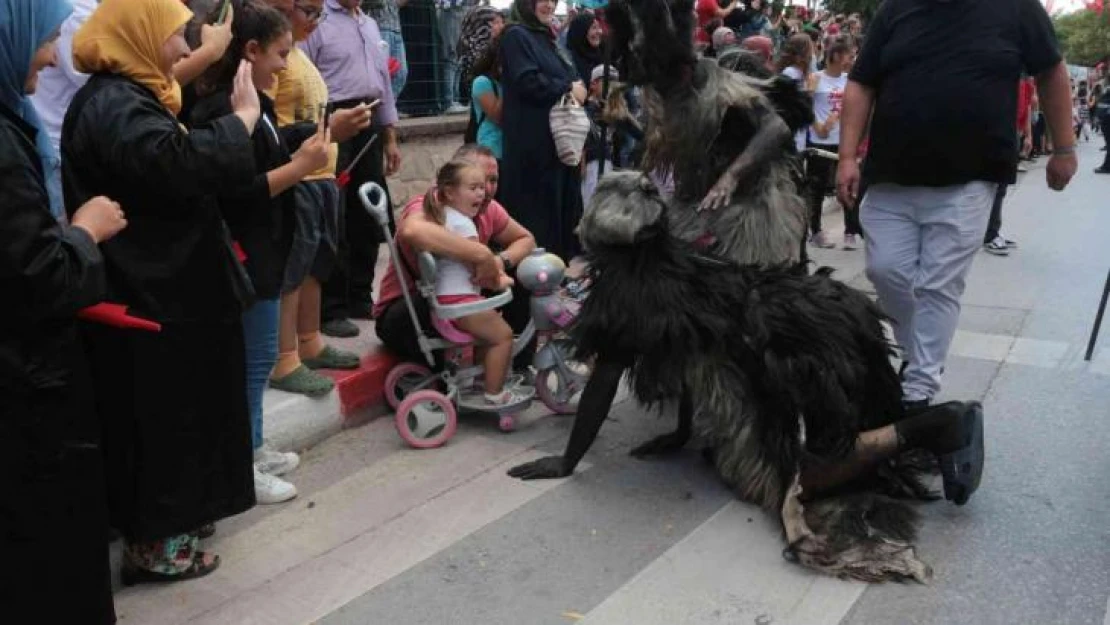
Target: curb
<point>294,422</point>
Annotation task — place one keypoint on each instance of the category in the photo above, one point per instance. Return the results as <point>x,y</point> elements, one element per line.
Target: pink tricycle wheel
<point>402,380</point>
<point>426,419</point>
<point>557,394</point>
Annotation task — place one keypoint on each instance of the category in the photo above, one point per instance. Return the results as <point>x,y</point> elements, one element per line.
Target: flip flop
<point>332,358</point>
<point>962,469</point>
<point>304,381</point>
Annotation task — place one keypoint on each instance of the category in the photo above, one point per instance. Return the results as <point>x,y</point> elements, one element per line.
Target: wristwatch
<point>506,262</point>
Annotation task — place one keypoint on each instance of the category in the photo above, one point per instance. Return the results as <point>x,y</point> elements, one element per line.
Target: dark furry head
<point>626,208</point>
<point>653,39</point>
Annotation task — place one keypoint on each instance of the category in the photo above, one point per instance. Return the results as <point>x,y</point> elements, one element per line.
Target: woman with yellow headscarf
<point>177,438</point>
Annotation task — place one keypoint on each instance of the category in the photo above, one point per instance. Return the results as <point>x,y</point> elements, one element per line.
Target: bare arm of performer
<point>1055,93</point>
<point>858,101</point>
<point>766,144</point>
<point>593,408</point>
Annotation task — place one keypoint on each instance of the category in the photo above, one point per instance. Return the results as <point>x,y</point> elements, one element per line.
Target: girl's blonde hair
<point>450,175</point>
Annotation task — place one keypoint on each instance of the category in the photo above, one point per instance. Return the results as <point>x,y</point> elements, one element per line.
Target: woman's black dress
<point>53,520</point>
<point>177,435</point>
<point>538,190</point>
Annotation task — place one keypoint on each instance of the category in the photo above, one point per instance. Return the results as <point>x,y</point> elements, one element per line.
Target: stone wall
<point>426,144</point>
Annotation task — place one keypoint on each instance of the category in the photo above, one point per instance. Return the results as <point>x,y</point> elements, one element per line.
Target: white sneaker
<point>851,242</point>
<point>457,109</point>
<point>272,462</point>
<point>269,489</point>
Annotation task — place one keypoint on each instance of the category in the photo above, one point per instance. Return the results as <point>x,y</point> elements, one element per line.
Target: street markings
<point>729,570</point>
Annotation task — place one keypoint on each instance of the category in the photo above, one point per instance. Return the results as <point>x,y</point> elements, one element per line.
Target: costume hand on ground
<point>542,469</point>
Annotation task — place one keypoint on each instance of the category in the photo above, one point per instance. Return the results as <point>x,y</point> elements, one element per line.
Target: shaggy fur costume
<point>717,132</point>
<point>781,369</point>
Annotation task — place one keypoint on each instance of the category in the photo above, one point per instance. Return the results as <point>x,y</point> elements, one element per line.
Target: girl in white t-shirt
<point>456,199</point>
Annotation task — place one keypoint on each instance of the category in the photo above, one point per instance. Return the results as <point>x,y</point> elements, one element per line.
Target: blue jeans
<point>450,27</point>
<point>397,50</point>
<point>260,338</point>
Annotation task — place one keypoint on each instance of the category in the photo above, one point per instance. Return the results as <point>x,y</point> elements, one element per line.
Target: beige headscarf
<point>126,37</point>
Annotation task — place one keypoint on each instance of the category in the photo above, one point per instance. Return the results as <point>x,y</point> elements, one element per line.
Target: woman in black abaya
<point>538,190</point>
<point>53,522</point>
<point>177,435</point>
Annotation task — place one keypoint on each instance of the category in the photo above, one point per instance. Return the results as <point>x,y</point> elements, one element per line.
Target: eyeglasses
<point>312,15</point>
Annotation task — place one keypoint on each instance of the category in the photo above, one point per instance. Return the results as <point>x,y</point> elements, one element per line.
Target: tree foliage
<point>866,8</point>
<point>1084,36</point>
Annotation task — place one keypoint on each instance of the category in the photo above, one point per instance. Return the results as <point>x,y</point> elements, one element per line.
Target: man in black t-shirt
<point>938,81</point>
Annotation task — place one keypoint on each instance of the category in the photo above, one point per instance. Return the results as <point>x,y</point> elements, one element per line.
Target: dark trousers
<point>820,178</point>
<point>1106,137</point>
<point>1039,134</point>
<point>347,293</point>
<point>994,222</point>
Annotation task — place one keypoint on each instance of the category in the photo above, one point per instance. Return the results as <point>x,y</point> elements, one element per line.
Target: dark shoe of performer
<point>954,432</point>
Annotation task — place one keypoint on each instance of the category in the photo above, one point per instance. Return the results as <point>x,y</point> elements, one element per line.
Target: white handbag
<point>569,128</point>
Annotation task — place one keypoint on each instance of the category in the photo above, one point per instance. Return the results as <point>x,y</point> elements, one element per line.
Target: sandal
<point>131,575</point>
<point>304,381</point>
<point>332,358</point>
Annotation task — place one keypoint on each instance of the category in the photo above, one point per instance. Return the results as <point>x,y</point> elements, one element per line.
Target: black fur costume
<point>780,368</point>
<point>774,368</point>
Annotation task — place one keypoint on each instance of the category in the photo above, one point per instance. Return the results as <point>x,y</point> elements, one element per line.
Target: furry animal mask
<point>626,209</point>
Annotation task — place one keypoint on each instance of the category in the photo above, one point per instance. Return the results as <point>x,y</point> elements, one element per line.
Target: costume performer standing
<point>785,376</point>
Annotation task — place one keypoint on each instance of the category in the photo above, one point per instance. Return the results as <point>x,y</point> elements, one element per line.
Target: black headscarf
<point>524,13</point>
<point>585,56</point>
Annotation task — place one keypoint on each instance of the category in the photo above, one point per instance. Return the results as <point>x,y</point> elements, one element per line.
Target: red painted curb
<point>362,387</point>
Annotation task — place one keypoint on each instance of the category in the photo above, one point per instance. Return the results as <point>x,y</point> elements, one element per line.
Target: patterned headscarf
<point>126,37</point>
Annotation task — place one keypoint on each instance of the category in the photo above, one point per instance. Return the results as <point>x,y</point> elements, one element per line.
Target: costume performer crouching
<point>785,376</point>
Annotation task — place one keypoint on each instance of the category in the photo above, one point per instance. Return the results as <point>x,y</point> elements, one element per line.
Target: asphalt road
<point>384,534</point>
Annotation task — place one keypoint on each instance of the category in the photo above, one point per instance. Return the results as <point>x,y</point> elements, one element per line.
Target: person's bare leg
<point>288,360</point>
<point>308,318</point>
<point>491,329</point>
<point>941,429</point>
<point>871,447</point>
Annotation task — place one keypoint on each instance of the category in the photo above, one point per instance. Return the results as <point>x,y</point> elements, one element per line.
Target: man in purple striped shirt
<point>348,49</point>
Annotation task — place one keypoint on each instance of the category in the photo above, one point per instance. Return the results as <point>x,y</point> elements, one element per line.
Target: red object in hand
<point>239,253</point>
<point>343,179</point>
<point>115,315</point>
<point>394,66</point>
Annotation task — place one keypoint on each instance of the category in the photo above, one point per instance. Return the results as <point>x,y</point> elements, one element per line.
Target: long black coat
<point>261,224</point>
<point>53,522</point>
<point>540,192</point>
<point>177,435</point>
